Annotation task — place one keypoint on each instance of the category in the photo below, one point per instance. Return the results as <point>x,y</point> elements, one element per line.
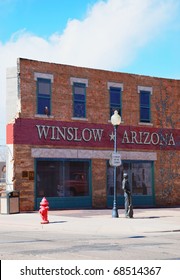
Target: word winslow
<point>69,133</point>
<point>147,138</point>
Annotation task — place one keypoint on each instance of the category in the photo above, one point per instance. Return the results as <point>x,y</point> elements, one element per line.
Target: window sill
<point>79,119</point>
<point>145,123</point>
<point>44,116</point>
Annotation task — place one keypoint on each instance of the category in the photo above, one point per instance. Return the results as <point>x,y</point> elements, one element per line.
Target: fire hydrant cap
<point>44,202</point>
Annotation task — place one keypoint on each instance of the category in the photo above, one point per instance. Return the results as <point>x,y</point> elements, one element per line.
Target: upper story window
<point>79,100</point>
<point>43,96</point>
<point>115,92</point>
<point>43,89</point>
<point>79,97</point>
<point>145,104</point>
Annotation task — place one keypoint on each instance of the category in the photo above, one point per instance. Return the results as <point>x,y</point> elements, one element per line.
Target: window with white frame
<point>115,94</point>
<point>43,93</point>
<point>79,97</point>
<point>145,103</point>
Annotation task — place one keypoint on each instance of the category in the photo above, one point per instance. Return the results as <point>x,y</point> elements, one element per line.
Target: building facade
<point>60,138</point>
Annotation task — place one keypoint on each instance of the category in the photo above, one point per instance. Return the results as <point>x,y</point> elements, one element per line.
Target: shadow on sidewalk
<point>152,217</point>
<point>58,222</point>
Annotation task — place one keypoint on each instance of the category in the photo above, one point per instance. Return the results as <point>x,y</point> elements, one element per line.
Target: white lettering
<point>154,135</point>
<point>86,134</point>
<point>70,134</point>
<point>147,138</point>
<point>171,141</point>
<point>125,138</point>
<point>61,133</point>
<point>133,137</point>
<point>146,134</point>
<point>53,133</point>
<point>97,134</point>
<point>76,135</point>
<point>43,131</point>
<point>140,137</point>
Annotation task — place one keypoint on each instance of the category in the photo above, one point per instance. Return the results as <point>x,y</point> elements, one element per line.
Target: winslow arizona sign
<point>96,134</point>
<point>41,132</point>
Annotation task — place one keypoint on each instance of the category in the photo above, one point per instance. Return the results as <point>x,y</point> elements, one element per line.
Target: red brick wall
<point>165,103</point>
<point>165,99</point>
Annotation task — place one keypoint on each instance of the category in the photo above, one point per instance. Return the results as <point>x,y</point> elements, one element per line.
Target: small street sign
<point>115,159</point>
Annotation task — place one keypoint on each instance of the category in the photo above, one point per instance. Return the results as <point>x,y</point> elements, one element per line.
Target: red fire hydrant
<point>44,207</point>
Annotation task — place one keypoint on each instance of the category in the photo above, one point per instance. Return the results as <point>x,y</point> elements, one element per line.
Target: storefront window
<point>141,178</point>
<point>62,178</point>
<point>139,175</point>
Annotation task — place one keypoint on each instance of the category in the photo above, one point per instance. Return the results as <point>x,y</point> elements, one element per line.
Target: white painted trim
<point>142,88</point>
<point>79,80</point>
<point>114,84</point>
<point>43,76</point>
<point>145,124</point>
<point>79,119</point>
<point>89,154</point>
<point>43,116</point>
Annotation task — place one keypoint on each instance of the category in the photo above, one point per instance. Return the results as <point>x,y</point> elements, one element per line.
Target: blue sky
<point>133,36</point>
<point>41,17</point>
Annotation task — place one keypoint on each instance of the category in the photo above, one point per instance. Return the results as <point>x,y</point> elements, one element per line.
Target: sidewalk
<point>86,234</point>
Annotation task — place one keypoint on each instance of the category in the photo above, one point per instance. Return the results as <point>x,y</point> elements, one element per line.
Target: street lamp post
<point>115,120</point>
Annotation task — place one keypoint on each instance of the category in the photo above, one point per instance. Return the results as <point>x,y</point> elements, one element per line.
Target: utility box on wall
<point>9,202</point>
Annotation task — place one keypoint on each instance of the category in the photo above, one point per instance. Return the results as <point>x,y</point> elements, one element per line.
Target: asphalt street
<point>153,234</point>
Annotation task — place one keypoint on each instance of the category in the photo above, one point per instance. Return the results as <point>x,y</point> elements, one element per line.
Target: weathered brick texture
<point>165,104</point>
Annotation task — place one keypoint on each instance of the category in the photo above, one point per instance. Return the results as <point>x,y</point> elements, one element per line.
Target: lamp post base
<point>115,213</point>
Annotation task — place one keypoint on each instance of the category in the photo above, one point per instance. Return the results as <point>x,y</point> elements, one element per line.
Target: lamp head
<point>115,118</point>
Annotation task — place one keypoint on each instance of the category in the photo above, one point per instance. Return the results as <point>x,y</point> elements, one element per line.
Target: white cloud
<point>109,37</point>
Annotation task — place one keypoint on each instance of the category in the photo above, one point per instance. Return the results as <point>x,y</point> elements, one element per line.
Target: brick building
<point>60,137</point>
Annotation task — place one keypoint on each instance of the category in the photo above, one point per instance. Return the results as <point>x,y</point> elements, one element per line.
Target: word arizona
<point>69,133</point>
<point>147,138</point>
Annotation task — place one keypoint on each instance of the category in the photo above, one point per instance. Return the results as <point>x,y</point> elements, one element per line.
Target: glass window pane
<point>62,178</point>
<point>79,97</point>
<point>145,114</point>
<point>141,179</point>
<point>110,180</point>
<point>79,110</point>
<point>115,98</point>
<point>44,87</point>
<point>76,178</point>
<point>42,103</point>
<point>139,176</point>
<point>48,176</point>
<point>79,90</point>
<point>144,98</point>
<point>43,96</point>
